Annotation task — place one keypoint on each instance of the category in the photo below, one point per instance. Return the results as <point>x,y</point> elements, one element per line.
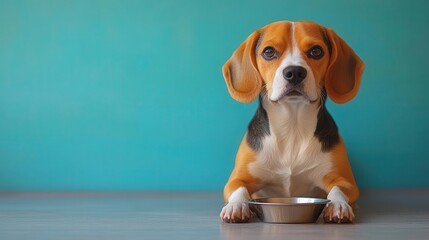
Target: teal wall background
<point>129,95</point>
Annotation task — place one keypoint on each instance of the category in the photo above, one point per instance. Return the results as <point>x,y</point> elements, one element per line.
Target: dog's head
<point>293,62</point>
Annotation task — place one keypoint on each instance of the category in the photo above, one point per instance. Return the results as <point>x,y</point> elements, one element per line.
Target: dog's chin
<point>295,97</point>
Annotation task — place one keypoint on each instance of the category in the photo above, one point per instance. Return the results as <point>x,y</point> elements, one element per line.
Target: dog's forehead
<point>308,30</point>
<point>277,32</point>
<point>283,31</point>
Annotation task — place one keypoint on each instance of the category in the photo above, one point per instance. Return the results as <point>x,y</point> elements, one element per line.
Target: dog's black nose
<point>294,74</point>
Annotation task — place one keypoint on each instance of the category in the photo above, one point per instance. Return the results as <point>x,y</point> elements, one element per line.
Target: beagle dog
<point>292,146</point>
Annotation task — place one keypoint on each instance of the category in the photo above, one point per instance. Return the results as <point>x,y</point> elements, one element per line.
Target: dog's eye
<point>269,53</point>
<point>315,52</point>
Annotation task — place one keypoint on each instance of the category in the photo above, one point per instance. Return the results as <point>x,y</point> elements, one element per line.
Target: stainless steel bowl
<point>288,210</point>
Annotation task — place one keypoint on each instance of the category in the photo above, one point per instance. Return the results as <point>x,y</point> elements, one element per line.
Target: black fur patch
<point>326,40</point>
<point>326,129</point>
<point>258,128</point>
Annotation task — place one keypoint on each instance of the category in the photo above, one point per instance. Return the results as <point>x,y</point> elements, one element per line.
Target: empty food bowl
<point>288,210</point>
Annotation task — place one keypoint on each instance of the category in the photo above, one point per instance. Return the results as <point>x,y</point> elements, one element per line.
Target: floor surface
<point>383,214</point>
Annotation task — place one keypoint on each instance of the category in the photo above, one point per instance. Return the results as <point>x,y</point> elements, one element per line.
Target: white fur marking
<point>239,195</point>
<point>291,162</point>
<point>293,57</point>
<point>336,195</point>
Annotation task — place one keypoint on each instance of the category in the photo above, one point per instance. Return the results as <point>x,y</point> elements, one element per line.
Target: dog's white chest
<point>291,163</point>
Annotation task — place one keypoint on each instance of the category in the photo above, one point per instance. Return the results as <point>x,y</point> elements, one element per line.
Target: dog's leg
<point>240,186</point>
<point>341,188</point>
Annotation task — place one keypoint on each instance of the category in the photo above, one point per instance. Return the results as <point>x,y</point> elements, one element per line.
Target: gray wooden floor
<point>385,214</point>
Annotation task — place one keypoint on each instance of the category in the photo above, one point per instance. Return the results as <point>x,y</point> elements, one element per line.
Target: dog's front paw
<point>235,212</point>
<point>338,212</point>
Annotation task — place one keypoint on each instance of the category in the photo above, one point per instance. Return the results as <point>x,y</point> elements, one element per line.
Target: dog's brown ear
<point>342,79</point>
<point>241,72</point>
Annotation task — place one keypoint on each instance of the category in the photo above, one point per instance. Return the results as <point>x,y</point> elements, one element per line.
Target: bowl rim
<point>260,201</point>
